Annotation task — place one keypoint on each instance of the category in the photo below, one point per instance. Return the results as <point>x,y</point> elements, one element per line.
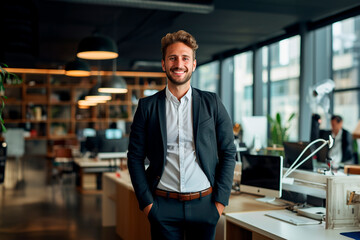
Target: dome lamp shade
<point>77,68</point>
<point>83,104</point>
<point>95,95</point>
<point>115,85</point>
<point>97,47</point>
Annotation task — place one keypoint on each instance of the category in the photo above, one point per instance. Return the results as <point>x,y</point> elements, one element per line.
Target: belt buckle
<point>181,197</point>
<point>184,197</point>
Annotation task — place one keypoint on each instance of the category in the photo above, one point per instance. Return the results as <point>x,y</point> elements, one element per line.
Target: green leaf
<point>3,128</point>
<point>2,75</point>
<point>13,79</point>
<point>278,119</point>
<point>291,117</point>
<point>279,129</point>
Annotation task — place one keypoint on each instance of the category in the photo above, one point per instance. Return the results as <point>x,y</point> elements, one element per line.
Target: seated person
<point>315,126</point>
<point>342,151</point>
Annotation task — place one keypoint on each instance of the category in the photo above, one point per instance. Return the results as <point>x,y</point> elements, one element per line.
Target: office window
<point>346,52</point>
<point>227,85</point>
<point>346,70</point>
<point>207,77</point>
<point>283,80</point>
<point>265,60</point>
<point>346,105</point>
<point>243,86</point>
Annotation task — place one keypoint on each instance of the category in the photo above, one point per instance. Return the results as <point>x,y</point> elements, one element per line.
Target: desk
<point>89,172</point>
<point>257,226</point>
<point>120,208</point>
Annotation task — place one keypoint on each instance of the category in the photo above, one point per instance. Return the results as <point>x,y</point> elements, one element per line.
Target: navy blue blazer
<point>214,144</point>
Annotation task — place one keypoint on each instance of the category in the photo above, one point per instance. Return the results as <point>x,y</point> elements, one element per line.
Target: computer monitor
<point>292,152</point>
<point>113,145</point>
<point>322,154</point>
<point>86,132</point>
<point>91,144</point>
<point>86,145</point>
<point>255,131</point>
<point>89,132</point>
<point>113,133</point>
<point>262,175</point>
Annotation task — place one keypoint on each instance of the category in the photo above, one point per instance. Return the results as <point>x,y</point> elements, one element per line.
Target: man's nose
<point>178,63</point>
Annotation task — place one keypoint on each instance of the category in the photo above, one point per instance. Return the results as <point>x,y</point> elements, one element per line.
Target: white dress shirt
<point>182,172</point>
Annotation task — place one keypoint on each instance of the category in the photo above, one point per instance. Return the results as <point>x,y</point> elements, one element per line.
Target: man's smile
<point>178,71</point>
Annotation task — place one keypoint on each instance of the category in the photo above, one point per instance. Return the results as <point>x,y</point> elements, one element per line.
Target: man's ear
<point>163,65</point>
<point>194,65</point>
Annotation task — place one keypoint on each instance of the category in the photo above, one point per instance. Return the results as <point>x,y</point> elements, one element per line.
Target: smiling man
<point>186,134</point>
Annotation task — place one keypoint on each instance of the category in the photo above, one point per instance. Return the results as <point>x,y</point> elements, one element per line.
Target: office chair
<point>63,163</point>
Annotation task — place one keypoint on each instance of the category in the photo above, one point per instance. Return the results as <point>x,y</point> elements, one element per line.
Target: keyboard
<point>289,217</point>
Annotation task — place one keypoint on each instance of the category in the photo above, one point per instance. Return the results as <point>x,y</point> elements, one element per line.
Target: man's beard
<point>173,81</point>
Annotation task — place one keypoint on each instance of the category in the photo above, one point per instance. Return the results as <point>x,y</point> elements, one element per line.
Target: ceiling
<point>46,33</point>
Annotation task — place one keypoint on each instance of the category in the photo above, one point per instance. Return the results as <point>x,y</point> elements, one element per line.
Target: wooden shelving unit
<point>45,103</point>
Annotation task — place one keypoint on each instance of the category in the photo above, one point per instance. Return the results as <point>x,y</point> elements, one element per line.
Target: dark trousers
<point>178,220</point>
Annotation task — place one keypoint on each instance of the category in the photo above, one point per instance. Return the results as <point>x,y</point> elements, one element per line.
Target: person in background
<point>315,126</point>
<point>186,134</point>
<point>342,151</point>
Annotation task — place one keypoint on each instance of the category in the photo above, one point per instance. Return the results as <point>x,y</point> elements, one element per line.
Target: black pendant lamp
<point>97,47</point>
<point>77,68</point>
<point>95,95</point>
<point>116,84</point>
<point>83,104</point>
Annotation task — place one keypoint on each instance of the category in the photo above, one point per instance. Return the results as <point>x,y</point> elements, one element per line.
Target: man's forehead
<point>181,54</point>
<point>179,46</point>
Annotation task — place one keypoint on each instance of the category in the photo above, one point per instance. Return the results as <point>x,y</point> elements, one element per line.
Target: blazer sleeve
<point>226,154</point>
<point>136,157</point>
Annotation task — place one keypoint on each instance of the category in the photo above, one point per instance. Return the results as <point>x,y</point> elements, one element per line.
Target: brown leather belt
<point>183,196</point>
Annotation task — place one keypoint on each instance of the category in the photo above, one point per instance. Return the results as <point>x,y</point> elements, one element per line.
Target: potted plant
<point>279,131</point>
<point>9,78</point>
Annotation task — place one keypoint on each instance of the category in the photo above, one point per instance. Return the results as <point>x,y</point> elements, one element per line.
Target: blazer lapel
<point>196,110</point>
<point>162,120</point>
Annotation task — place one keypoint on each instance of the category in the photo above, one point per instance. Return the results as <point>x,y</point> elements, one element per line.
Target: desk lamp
<point>293,167</point>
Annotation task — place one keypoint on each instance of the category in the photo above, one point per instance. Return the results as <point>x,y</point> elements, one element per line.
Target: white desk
<point>255,225</point>
<point>89,171</point>
<point>93,163</point>
<point>113,155</point>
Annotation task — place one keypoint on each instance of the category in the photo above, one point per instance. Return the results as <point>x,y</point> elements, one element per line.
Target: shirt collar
<point>171,97</point>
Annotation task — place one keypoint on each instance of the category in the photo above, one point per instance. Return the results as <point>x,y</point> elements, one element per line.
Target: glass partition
<point>346,70</point>
<point>243,86</point>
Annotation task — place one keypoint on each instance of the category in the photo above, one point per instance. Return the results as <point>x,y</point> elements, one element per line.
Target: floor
<point>43,208</point>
